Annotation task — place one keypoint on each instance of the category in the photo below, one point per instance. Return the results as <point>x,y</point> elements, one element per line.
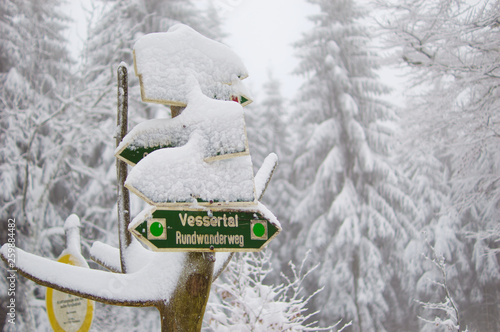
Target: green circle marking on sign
<point>156,229</point>
<point>259,230</point>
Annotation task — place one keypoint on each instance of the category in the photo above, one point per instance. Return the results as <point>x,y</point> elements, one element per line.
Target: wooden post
<point>121,167</point>
<point>186,308</point>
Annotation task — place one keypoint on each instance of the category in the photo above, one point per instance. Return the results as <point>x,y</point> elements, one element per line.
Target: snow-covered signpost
<point>219,229</point>
<point>195,173</point>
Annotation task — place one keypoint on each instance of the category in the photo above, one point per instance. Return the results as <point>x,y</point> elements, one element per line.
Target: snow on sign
<point>213,164</point>
<point>203,116</point>
<point>194,169</point>
<point>163,62</point>
<point>205,230</point>
<point>180,177</point>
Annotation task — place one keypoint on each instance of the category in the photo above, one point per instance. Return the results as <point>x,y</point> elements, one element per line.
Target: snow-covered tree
<point>213,25</point>
<point>37,137</point>
<point>242,301</point>
<point>268,131</point>
<point>354,212</point>
<point>448,314</point>
<point>34,76</point>
<point>450,49</point>
<point>268,122</point>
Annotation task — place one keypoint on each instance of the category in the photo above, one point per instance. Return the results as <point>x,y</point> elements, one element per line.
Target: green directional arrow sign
<point>203,230</point>
<point>222,139</point>
<point>132,154</point>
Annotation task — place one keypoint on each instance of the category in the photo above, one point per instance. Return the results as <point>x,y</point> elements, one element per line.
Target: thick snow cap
<point>181,174</point>
<point>220,123</point>
<point>163,62</point>
<point>73,221</point>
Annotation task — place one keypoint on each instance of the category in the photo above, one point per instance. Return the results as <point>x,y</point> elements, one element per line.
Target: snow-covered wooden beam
<point>109,257</point>
<point>145,287</point>
<point>106,256</point>
<point>264,174</point>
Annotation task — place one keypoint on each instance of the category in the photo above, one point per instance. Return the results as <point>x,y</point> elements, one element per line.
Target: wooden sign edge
<point>118,155</point>
<point>245,152</point>
<point>182,204</point>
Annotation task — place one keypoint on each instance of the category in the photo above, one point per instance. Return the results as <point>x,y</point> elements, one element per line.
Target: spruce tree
<point>450,49</point>
<point>354,212</point>
<point>37,139</point>
<point>268,132</point>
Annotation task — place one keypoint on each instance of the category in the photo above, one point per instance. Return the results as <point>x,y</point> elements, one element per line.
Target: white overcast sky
<point>261,32</point>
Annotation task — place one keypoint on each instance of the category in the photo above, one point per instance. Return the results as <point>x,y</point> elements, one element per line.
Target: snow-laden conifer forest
<point>388,196</point>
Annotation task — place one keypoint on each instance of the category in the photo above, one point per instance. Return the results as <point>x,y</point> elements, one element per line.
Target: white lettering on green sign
<point>207,221</point>
<point>203,230</point>
<point>209,239</point>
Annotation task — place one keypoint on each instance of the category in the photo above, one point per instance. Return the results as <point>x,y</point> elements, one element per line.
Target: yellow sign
<point>69,313</point>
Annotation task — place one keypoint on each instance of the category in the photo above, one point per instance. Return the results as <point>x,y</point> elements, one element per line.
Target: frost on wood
<point>71,228</point>
<point>163,62</point>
